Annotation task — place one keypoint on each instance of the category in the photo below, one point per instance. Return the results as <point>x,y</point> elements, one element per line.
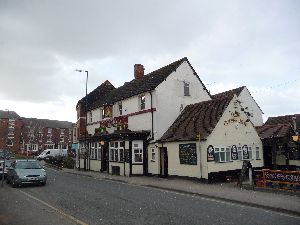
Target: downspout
<point>152,116</point>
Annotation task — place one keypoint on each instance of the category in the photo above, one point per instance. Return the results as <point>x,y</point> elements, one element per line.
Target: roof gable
<point>197,118</point>
<point>231,92</point>
<point>109,95</point>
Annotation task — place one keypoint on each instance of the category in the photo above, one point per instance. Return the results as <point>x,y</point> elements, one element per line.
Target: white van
<point>53,152</point>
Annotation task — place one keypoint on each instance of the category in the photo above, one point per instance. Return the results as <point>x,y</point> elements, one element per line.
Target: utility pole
<point>4,151</point>
<point>86,153</point>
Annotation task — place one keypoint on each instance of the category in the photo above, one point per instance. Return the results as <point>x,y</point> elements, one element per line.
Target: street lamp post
<point>85,132</point>
<point>4,151</point>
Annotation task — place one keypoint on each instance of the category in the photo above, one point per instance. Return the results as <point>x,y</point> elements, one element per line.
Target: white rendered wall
<point>169,96</point>
<point>247,101</point>
<point>228,135</point>
<point>95,165</point>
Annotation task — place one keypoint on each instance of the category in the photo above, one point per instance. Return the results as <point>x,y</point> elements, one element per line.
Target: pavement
<point>285,202</point>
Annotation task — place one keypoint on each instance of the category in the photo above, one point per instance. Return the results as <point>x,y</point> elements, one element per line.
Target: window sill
<point>153,161</point>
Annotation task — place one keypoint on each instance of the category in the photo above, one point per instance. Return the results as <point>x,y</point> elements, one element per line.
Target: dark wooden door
<point>163,162</point>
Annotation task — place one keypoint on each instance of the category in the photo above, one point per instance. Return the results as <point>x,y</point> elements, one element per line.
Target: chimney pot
<point>138,71</point>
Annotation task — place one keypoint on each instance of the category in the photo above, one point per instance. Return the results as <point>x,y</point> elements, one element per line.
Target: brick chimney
<point>138,71</point>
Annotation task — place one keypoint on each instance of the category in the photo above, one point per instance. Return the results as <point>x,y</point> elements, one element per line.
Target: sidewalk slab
<point>225,192</point>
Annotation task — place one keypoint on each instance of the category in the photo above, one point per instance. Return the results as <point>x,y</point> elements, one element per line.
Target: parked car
<point>26,171</point>
<point>6,166</point>
<point>53,153</point>
<point>6,153</point>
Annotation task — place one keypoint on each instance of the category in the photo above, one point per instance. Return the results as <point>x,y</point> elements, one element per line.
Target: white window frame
<point>137,150</point>
<point>153,155</point>
<point>115,149</point>
<point>186,88</point>
<point>120,108</point>
<point>142,102</point>
<point>257,153</point>
<point>222,151</point>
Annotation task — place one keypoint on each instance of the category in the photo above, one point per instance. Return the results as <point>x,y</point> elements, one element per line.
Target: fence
<point>278,179</point>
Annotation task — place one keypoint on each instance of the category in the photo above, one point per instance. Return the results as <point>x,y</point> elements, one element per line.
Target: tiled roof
<point>99,96</point>
<point>273,131</point>
<point>4,114</point>
<point>236,91</point>
<point>287,119</point>
<point>197,118</point>
<point>47,123</point>
<point>109,95</point>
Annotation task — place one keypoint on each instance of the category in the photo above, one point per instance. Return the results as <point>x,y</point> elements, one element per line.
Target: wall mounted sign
<point>245,152</point>
<point>210,153</point>
<point>188,154</point>
<point>234,152</point>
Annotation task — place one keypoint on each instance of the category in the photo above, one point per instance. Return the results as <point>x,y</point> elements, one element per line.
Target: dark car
<point>6,153</point>
<point>25,171</point>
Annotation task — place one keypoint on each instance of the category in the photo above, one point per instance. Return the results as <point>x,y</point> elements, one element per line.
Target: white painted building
<point>249,105</point>
<point>207,139</point>
<point>121,122</point>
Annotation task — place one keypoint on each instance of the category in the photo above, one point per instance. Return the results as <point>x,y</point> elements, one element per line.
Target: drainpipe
<point>152,122</point>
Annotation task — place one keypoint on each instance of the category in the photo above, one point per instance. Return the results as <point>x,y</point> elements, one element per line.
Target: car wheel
<point>13,183</point>
<point>43,183</point>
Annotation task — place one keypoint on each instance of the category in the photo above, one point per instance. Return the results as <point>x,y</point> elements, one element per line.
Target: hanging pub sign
<point>245,152</point>
<point>234,152</point>
<point>210,153</point>
<point>188,154</point>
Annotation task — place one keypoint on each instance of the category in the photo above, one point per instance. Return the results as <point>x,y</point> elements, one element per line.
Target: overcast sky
<point>229,44</point>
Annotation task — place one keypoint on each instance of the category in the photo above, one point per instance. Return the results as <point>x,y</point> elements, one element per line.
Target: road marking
<point>55,209</point>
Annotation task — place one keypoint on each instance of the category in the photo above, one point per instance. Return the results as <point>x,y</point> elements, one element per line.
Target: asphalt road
<point>74,199</point>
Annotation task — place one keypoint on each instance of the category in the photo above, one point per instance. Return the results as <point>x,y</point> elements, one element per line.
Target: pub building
<point>209,140</point>
<point>115,126</point>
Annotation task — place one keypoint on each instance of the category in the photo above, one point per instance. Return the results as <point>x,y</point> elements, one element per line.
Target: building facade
<point>19,134</point>
<point>122,122</point>
<point>208,140</point>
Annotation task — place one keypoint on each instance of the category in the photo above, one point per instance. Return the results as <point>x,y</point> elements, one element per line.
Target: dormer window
<point>120,108</point>
<point>142,101</point>
<point>186,88</point>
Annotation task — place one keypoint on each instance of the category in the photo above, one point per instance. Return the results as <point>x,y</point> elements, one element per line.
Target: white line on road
<point>55,209</point>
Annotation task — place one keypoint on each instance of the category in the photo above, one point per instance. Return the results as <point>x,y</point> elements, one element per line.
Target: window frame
<point>116,151</point>
<point>137,146</point>
<point>142,102</point>
<point>153,155</point>
<point>186,88</point>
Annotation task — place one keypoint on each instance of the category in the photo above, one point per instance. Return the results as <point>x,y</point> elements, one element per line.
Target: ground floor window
<point>95,150</point>
<point>32,147</point>
<point>222,154</point>
<point>116,151</point>
<point>137,151</point>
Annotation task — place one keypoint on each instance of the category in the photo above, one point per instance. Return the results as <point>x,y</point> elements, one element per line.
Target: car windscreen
<point>28,165</point>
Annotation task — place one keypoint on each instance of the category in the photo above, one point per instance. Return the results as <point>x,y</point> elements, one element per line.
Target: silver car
<point>25,171</point>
